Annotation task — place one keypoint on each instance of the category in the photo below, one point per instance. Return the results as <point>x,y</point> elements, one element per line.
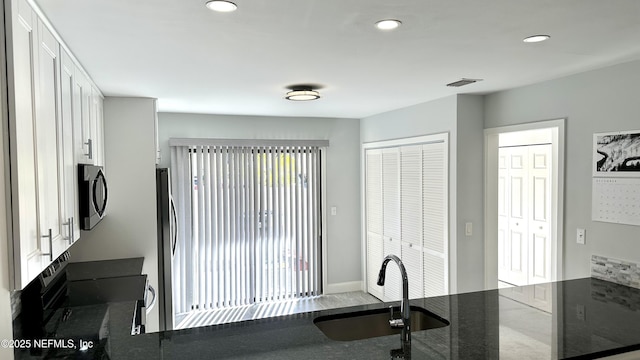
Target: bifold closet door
<point>373,194</point>
<point>406,204</point>
<point>391,220</point>
<point>435,218</point>
<point>411,216</point>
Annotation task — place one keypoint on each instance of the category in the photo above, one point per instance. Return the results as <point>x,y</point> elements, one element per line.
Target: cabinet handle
<point>50,254</point>
<point>69,223</point>
<point>89,144</point>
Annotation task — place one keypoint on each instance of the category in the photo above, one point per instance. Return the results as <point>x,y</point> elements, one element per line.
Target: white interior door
<point>435,218</point>
<point>391,220</point>
<point>411,216</point>
<point>524,221</point>
<point>540,214</point>
<point>373,194</point>
<point>518,206</point>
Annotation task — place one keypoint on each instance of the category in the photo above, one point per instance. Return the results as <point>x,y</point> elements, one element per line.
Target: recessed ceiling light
<point>302,94</point>
<point>536,38</point>
<point>388,24</point>
<point>221,6</point>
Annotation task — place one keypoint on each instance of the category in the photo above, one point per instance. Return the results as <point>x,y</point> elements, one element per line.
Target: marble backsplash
<point>617,271</point>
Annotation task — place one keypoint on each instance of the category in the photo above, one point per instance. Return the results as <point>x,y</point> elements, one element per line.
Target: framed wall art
<point>616,154</point>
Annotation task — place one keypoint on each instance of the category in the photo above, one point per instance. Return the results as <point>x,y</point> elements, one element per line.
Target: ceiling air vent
<point>463,82</point>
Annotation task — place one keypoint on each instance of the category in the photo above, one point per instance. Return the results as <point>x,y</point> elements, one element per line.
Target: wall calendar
<point>616,200</point>
<point>616,177</point>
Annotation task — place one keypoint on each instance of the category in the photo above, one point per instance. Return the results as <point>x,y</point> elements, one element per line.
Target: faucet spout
<point>405,310</point>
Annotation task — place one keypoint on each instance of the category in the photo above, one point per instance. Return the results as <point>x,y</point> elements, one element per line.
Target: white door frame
<point>491,196</point>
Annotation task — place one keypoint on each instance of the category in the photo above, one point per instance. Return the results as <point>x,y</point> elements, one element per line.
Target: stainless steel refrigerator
<point>167,242</point>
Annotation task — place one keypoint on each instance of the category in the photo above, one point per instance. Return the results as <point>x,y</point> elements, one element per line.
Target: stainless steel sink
<point>373,323</point>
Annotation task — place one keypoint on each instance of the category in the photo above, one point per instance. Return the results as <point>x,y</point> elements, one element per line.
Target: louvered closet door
<point>391,220</point>
<point>373,179</point>
<point>434,221</point>
<point>411,216</point>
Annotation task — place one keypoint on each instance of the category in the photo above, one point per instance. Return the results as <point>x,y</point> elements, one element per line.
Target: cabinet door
<point>81,114</point>
<point>96,126</point>
<point>48,157</point>
<point>71,224</point>
<point>26,245</point>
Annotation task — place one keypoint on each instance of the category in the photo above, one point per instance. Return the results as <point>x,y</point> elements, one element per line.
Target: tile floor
<point>271,309</point>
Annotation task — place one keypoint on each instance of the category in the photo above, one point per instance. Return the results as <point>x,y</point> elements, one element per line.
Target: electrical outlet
<point>334,211</point>
<point>580,236</point>
<point>581,312</point>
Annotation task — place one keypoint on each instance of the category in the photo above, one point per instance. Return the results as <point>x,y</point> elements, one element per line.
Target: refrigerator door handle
<point>173,226</point>
<point>152,303</point>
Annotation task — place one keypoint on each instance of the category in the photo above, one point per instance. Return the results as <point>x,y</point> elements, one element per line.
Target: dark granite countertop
<point>88,270</point>
<point>589,318</point>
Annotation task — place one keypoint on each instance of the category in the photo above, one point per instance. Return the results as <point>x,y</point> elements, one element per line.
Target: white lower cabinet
<point>44,103</point>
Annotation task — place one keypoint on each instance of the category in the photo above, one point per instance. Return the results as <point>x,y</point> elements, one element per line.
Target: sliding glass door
<point>255,224</point>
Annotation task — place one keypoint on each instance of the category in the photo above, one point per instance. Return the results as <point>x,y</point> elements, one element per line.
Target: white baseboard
<point>343,287</point>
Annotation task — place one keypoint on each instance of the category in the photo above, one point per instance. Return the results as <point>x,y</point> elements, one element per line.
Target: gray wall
<point>129,228</point>
<point>461,117</point>
<point>469,192</point>
<point>343,170</point>
<point>597,101</point>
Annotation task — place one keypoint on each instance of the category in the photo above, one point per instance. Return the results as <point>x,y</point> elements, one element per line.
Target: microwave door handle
<point>100,177</point>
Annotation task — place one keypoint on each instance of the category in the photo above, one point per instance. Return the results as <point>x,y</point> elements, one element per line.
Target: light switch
<point>334,210</point>
<point>468,229</point>
<point>580,236</point>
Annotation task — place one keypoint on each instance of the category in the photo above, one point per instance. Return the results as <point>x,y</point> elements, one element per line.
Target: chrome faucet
<point>405,311</point>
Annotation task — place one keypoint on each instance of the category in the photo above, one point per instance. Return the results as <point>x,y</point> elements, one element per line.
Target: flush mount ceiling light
<point>302,94</point>
<point>536,38</point>
<point>388,24</point>
<point>221,6</point>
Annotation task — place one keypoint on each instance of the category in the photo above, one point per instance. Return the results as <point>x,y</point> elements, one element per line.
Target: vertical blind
<point>252,223</point>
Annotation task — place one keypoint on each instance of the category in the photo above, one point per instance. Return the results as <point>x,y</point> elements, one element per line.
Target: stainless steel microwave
<point>92,195</point>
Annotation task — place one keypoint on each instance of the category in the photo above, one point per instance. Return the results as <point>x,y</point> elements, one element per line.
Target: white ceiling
<point>196,60</point>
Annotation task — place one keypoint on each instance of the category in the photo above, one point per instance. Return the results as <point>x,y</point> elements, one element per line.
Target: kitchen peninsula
<point>591,318</point>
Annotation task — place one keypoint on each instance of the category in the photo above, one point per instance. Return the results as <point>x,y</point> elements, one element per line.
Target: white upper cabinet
<point>22,50</point>
<point>96,118</point>
<point>54,116</point>
<point>70,170</point>
<point>47,151</point>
